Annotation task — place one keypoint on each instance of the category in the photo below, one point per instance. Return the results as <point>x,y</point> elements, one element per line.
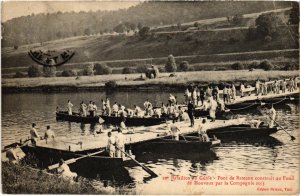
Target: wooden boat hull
<point>92,166</point>
<point>167,144</point>
<point>112,120</point>
<point>239,131</point>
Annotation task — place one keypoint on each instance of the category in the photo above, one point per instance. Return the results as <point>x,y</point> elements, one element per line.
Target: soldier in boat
<point>272,115</point>
<point>111,142</point>
<point>94,109</point>
<point>69,106</point>
<point>212,108</point>
<point>34,134</point>
<point>164,110</point>
<point>191,111</point>
<point>233,91</point>
<point>257,87</point>
<point>49,134</point>
<point>90,108</point>
<point>65,172</point>
<point>202,128</point>
<point>120,144</point>
<point>83,109</point>
<point>174,130</point>
<point>115,109</point>
<point>202,95</point>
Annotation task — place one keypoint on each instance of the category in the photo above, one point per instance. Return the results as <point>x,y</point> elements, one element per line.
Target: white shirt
<point>90,107</point>
<point>213,104</point>
<point>120,139</point>
<point>115,108</point>
<point>33,133</point>
<point>202,128</point>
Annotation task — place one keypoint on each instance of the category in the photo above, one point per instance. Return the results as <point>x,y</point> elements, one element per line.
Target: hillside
<point>122,47</point>
<point>44,27</point>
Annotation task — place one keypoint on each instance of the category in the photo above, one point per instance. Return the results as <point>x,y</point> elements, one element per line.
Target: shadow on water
<point>154,157</point>
<point>267,141</point>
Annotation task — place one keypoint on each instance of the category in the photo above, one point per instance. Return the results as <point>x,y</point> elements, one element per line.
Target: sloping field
<point>196,47</point>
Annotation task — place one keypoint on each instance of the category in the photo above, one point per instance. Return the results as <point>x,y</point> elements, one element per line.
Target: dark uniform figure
<point>191,110</point>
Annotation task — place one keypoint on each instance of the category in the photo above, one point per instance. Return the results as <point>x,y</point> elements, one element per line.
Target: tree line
<point>45,27</point>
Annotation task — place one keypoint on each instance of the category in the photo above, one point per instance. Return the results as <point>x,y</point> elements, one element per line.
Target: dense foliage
<point>44,27</point>
<point>171,64</point>
<point>35,71</point>
<point>102,69</point>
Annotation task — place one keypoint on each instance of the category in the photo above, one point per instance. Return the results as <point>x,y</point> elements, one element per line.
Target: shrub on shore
<point>102,69</point>
<point>19,75</point>
<point>69,73</point>
<point>266,65</point>
<point>171,64</point>
<point>127,70</point>
<point>237,66</point>
<point>49,71</point>
<point>184,66</point>
<point>35,71</point>
<point>89,70</point>
<point>21,180</point>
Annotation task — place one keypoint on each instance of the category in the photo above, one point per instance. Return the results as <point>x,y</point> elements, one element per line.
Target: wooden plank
<point>141,134</point>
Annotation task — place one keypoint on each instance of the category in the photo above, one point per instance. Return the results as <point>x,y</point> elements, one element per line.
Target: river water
<point>268,156</point>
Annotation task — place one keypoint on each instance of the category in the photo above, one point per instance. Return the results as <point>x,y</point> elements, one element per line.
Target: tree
<point>237,66</point>
<point>89,70</point>
<point>294,13</point>
<point>35,71</point>
<point>139,26</point>
<point>127,70</point>
<point>69,73</point>
<point>171,64</point>
<point>102,69</point>
<point>87,31</point>
<point>184,66</point>
<point>237,19</point>
<point>144,31</point>
<point>49,71</point>
<point>120,28</point>
<point>196,24</point>
<point>266,24</point>
<point>266,65</point>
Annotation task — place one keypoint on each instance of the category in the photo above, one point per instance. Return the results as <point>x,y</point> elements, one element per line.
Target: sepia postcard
<point>150,97</point>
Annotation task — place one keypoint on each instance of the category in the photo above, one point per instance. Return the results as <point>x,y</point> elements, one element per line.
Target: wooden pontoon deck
<point>142,134</point>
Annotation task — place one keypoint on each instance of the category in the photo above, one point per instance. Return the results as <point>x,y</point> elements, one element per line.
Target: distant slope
<point>107,48</point>
<point>45,27</point>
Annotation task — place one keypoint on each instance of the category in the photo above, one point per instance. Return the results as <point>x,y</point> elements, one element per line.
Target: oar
<point>292,137</point>
<point>73,160</point>
<point>15,145</point>
<point>148,170</point>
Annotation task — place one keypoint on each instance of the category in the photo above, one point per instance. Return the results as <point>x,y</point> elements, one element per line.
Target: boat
<point>168,144</point>
<point>89,166</point>
<point>112,120</point>
<point>239,131</point>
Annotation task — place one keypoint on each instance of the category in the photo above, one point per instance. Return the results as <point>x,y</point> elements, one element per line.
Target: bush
<point>16,47</point>
<point>88,70</point>
<point>19,75</point>
<point>35,71</point>
<point>110,85</point>
<point>268,39</point>
<point>253,65</point>
<point>69,73</point>
<point>171,64</point>
<point>127,70</point>
<point>142,68</point>
<point>266,24</point>
<point>49,71</point>
<point>161,69</point>
<point>102,69</point>
<point>266,65</point>
<point>184,66</point>
<point>144,31</point>
<point>237,19</point>
<point>237,66</point>
<point>291,66</point>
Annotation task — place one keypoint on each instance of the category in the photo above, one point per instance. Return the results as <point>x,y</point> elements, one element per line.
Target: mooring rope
<point>244,107</point>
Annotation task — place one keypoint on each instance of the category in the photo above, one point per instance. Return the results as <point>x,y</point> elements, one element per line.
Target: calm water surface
<point>268,155</point>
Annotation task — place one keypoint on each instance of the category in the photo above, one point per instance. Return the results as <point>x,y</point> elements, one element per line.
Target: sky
<point>12,9</point>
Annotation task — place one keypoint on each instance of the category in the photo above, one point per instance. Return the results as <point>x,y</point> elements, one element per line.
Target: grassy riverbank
<point>133,81</point>
<point>22,180</point>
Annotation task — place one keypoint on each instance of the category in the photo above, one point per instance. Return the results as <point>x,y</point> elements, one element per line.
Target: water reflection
<point>235,156</point>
